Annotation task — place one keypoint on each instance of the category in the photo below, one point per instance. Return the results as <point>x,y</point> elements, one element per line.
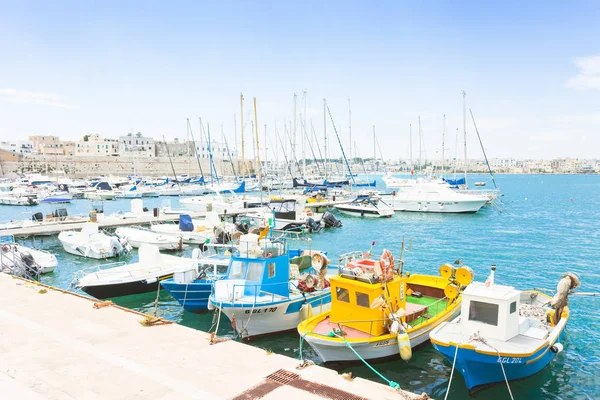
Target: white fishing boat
<point>13,256</point>
<point>101,191</point>
<point>91,243</point>
<point>139,236</point>
<point>140,277</point>
<point>366,206</point>
<point>233,204</point>
<point>432,197</point>
<point>504,333</point>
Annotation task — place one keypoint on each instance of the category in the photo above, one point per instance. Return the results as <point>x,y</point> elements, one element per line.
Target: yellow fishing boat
<point>377,311</point>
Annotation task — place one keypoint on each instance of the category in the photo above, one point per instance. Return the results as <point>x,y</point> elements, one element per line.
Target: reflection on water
<point>537,234</point>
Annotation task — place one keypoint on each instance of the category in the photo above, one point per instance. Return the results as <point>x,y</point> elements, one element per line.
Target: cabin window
<point>271,270</point>
<point>513,307</point>
<point>483,312</point>
<point>342,295</point>
<point>222,269</point>
<point>237,270</point>
<point>255,271</point>
<point>362,300</point>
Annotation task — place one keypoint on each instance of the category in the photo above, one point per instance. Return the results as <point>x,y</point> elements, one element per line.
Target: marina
<point>275,200</point>
<point>425,250</point>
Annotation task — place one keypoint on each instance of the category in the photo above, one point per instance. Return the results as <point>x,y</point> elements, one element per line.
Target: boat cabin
<point>256,271</point>
<point>284,209</point>
<point>493,311</point>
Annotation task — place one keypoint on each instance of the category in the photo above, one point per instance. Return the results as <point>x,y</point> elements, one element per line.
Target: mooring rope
<point>392,384</point>
<point>452,372</point>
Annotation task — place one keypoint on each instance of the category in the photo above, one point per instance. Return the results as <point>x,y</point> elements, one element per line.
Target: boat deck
<point>87,353</point>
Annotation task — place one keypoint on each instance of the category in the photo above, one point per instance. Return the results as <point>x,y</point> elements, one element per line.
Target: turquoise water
<point>545,225</point>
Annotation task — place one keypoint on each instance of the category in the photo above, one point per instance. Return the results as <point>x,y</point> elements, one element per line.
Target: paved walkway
<point>55,345</point>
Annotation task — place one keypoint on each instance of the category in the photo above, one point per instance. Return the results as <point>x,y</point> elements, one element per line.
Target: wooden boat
<point>377,309</point>
<point>504,333</point>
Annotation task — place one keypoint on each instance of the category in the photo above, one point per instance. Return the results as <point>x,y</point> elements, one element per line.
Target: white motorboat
<point>17,200</point>
<point>187,231</point>
<point>91,243</point>
<point>435,198</point>
<point>366,206</point>
<point>140,277</point>
<point>169,189</point>
<point>101,191</point>
<point>282,214</point>
<point>14,256</point>
<point>128,193</point>
<point>138,237</point>
<point>232,204</point>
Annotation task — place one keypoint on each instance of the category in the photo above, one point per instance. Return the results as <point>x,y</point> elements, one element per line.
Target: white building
<point>219,150</point>
<point>95,145</point>
<point>503,163</point>
<point>17,146</point>
<point>136,145</point>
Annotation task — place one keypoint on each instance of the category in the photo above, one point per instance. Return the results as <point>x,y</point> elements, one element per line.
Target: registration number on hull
<point>510,360</point>
<point>261,310</point>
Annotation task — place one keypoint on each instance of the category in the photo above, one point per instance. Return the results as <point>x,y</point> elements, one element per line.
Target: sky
<point>530,70</point>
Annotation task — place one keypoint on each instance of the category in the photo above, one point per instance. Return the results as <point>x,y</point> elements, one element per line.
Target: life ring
<point>387,264</point>
<point>269,254</point>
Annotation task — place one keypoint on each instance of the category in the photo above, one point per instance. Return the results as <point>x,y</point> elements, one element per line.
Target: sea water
<point>542,227</point>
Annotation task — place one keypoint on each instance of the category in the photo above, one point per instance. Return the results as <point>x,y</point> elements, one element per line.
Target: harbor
<point>340,201</point>
<point>95,344</point>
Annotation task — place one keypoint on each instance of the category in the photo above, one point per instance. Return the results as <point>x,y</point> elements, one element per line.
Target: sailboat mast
<point>420,147</point>
<point>243,169</point>
<point>325,133</point>
<point>258,153</point>
<point>410,136</point>
<point>266,149</point>
<point>304,140</point>
<point>443,144</point>
<point>350,129</point>
<point>465,131</point>
<point>294,130</point>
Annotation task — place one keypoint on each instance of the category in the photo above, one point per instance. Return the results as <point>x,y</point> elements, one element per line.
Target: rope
<point>452,372</point>
<point>392,384</point>
<point>477,338</point>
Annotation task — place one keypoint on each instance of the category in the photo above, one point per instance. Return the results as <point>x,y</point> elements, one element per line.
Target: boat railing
<point>256,290</point>
<point>94,269</point>
<point>18,263</point>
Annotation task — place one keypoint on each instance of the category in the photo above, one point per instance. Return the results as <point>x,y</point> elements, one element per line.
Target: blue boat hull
<point>484,369</point>
<point>192,296</point>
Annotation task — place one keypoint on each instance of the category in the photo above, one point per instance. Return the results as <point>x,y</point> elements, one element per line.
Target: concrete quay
<point>57,345</point>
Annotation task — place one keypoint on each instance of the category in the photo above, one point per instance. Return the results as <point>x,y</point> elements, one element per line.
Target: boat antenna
<point>482,149</point>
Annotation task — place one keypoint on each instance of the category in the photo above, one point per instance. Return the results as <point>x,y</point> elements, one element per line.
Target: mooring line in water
<point>452,371</point>
<point>392,384</point>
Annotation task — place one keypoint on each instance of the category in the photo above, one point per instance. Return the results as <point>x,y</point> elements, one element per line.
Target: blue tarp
<point>185,223</point>
<point>455,182</point>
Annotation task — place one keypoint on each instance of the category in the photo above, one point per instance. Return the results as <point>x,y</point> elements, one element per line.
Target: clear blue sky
<point>531,70</point>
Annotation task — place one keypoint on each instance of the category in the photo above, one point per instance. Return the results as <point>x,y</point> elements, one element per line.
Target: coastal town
<point>51,153</point>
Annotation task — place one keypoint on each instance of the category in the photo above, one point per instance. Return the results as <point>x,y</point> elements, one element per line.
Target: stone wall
<point>80,167</point>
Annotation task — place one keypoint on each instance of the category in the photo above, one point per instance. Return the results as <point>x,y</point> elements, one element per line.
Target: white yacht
<point>366,206</point>
<point>91,243</point>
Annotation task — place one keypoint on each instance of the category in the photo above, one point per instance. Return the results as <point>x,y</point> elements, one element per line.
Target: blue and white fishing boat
<point>192,292</point>
<point>261,296</point>
<point>503,333</point>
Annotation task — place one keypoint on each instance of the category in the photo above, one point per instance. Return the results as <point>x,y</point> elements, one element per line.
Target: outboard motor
<point>241,227</point>
<point>27,259</point>
<point>312,225</point>
<point>221,235</point>
<point>330,221</point>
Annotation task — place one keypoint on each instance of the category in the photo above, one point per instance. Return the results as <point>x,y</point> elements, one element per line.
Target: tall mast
<point>410,150</point>
<point>304,140</point>
<point>443,144</point>
<point>243,169</point>
<point>294,130</point>
<point>325,133</point>
<point>234,133</point>
<point>465,130</point>
<point>258,153</point>
<point>266,148</point>
<point>350,128</point>
<point>420,147</point>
